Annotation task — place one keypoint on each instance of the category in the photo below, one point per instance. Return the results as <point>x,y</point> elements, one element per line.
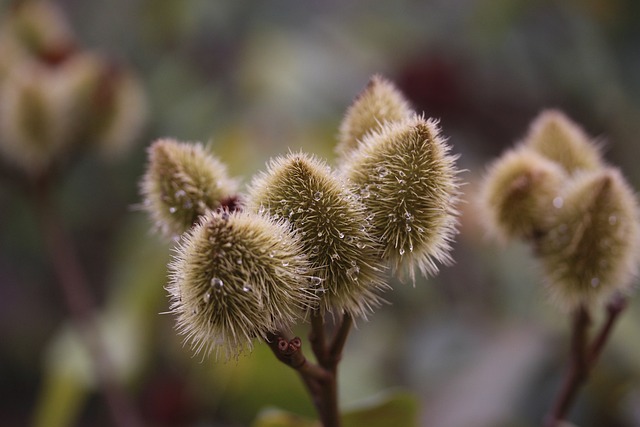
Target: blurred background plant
<point>256,79</point>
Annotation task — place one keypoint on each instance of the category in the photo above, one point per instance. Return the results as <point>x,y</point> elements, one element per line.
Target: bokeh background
<point>478,345</point>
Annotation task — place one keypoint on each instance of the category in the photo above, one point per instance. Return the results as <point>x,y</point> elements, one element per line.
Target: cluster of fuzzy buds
<point>305,237</point>
<point>555,191</point>
<point>56,98</point>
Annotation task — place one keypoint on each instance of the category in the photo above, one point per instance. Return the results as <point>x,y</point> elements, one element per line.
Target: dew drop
<point>272,254</point>
<point>180,194</point>
<point>558,202</point>
<point>410,247</point>
<point>315,280</point>
<point>285,263</point>
<point>365,193</point>
<point>206,297</point>
<point>216,283</point>
<point>352,273</point>
<point>408,217</point>
<point>408,228</point>
<point>334,256</point>
<point>317,195</point>
<point>595,282</point>
<point>239,261</point>
<point>382,172</point>
<point>401,251</point>
<point>246,288</point>
<point>320,233</point>
<point>341,235</point>
<point>172,209</point>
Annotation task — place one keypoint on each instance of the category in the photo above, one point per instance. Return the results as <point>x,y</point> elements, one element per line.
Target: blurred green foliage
<point>478,345</point>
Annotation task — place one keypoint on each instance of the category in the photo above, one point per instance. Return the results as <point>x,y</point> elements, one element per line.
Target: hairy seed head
<point>35,111</point>
<point>555,136</point>
<point>235,277</point>
<point>378,103</point>
<point>332,225</point>
<point>408,182</point>
<point>592,250</point>
<point>182,182</point>
<point>518,192</point>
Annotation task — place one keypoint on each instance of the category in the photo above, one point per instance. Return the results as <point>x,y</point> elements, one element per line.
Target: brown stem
<point>584,356</point>
<point>614,308</point>
<point>317,338</point>
<point>321,379</point>
<point>73,284</point>
<point>578,369</point>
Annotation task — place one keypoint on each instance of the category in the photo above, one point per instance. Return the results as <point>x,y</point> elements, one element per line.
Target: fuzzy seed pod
<point>378,103</point>
<point>332,225</point>
<point>518,192</point>
<point>592,251</point>
<point>408,181</point>
<point>40,28</point>
<point>234,278</point>
<point>35,111</point>
<point>555,136</point>
<point>182,182</point>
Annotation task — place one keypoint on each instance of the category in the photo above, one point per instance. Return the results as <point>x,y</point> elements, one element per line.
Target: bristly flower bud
<point>34,116</point>
<point>236,277</point>
<point>332,225</point>
<point>408,181</point>
<point>378,103</point>
<point>518,192</point>
<point>556,137</point>
<point>182,182</point>
<point>592,251</point>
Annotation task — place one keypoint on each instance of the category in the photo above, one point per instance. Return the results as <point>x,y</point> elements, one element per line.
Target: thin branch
<point>578,370</point>
<point>317,337</point>
<point>614,308</point>
<point>339,340</point>
<point>73,284</point>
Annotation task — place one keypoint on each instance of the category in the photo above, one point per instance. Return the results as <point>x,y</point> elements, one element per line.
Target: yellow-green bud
<point>555,136</point>
<point>592,250</point>
<point>378,103</point>
<point>408,181</point>
<point>40,28</point>
<point>35,111</point>
<point>332,225</point>
<point>236,277</point>
<point>518,192</point>
<point>182,182</point>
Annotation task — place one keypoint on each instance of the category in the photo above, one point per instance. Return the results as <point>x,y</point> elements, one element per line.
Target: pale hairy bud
<point>378,103</point>
<point>592,250</point>
<point>332,225</point>
<point>518,192</point>
<point>236,277</point>
<point>182,182</point>
<point>558,138</point>
<point>35,110</point>
<point>41,29</point>
<point>408,181</point>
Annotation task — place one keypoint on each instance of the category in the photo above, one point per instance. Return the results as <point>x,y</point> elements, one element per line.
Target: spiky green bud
<point>558,138</point>
<point>236,277</point>
<point>182,182</point>
<point>332,226</point>
<point>518,192</point>
<point>378,103</point>
<point>408,181</point>
<point>592,251</point>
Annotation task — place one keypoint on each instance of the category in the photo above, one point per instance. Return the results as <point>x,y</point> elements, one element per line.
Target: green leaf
<point>397,408</point>
<point>273,417</point>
